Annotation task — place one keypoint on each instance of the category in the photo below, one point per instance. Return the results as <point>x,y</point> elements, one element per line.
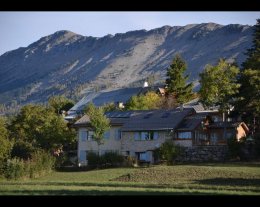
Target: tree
<point>176,81</point>
<point>248,100</point>
<point>60,103</point>
<point>98,122</point>
<point>253,59</point>
<point>5,143</point>
<point>219,85</point>
<point>150,100</point>
<point>42,127</point>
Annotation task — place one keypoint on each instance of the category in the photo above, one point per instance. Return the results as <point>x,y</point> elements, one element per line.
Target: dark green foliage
<point>23,150</point>
<point>176,81</point>
<point>60,103</point>
<point>106,160</point>
<point>218,85</point>
<point>235,148</point>
<point>5,143</point>
<point>248,99</point>
<point>112,158</point>
<point>257,144</point>
<point>42,127</point>
<point>253,59</point>
<point>93,159</point>
<point>168,151</point>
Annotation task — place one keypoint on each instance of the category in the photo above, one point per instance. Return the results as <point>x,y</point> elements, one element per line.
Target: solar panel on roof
<point>166,114</point>
<point>148,116</point>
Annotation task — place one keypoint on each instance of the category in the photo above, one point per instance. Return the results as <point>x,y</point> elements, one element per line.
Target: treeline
<point>33,142</point>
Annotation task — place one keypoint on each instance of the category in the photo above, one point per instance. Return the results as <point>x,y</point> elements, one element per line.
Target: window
<point>82,155</point>
<point>136,136</point>
<point>83,135</point>
<point>184,135</point>
<point>155,135</point>
<point>90,135</point>
<point>141,156</point>
<point>107,135</point>
<point>117,134</point>
<point>147,135</point>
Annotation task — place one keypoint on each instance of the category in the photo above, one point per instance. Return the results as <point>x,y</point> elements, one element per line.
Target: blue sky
<point>19,29</point>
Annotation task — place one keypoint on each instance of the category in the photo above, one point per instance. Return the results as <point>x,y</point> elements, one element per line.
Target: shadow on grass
<point>213,184</point>
<point>224,164</point>
<point>230,182</point>
<point>97,192</point>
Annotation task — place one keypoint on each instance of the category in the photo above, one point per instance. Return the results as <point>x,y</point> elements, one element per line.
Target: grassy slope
<point>230,179</point>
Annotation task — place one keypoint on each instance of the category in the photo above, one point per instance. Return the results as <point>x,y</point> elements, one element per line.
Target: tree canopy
<point>176,81</point>
<point>42,127</point>
<point>5,144</point>
<point>150,100</point>
<point>253,59</point>
<point>218,85</point>
<point>248,99</point>
<point>98,121</point>
<point>60,103</point>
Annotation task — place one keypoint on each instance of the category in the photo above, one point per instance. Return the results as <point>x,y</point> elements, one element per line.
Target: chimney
<point>181,107</point>
<point>145,84</point>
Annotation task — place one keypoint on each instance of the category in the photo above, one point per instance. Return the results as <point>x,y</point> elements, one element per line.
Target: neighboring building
<point>117,96</point>
<point>139,133</point>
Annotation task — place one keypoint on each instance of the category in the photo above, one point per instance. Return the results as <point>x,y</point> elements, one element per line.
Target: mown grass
<point>196,179</point>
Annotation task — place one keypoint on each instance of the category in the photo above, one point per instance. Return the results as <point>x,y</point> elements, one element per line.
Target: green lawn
<point>195,179</point>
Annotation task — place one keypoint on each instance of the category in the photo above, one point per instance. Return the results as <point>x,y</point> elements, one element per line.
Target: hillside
<point>75,65</point>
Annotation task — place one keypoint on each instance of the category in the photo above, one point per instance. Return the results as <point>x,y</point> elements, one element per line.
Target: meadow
<point>185,179</point>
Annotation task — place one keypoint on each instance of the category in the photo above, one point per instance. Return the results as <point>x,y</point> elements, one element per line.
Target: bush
<point>257,144</point>
<point>112,158</point>
<point>15,168</point>
<point>93,159</point>
<point>107,159</point>
<point>169,152</point>
<point>235,148</point>
<point>40,164</point>
<point>23,150</point>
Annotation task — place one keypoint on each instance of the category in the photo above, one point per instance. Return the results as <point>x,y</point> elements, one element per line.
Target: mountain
<point>74,65</point>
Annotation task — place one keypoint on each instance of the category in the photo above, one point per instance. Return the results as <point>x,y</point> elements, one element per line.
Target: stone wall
<point>203,154</point>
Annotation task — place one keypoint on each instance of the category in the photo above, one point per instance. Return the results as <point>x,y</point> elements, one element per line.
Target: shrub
<point>40,164</point>
<point>93,159</point>
<point>235,148</point>
<point>107,159</point>
<point>14,169</point>
<point>112,158</point>
<point>169,152</point>
<point>257,144</point>
<point>23,150</point>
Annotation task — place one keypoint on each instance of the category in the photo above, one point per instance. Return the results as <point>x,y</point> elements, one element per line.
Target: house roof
<point>198,107</point>
<point>228,125</point>
<point>191,122</point>
<point>155,119</point>
<point>115,117</point>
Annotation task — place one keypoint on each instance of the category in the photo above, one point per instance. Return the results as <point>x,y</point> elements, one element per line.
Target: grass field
<point>196,179</point>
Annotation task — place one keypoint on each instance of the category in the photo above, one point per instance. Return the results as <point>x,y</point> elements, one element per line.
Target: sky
<point>19,29</point>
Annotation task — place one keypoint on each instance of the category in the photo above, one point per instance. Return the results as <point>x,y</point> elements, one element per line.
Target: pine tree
<point>248,100</point>
<point>176,81</point>
<point>253,60</point>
